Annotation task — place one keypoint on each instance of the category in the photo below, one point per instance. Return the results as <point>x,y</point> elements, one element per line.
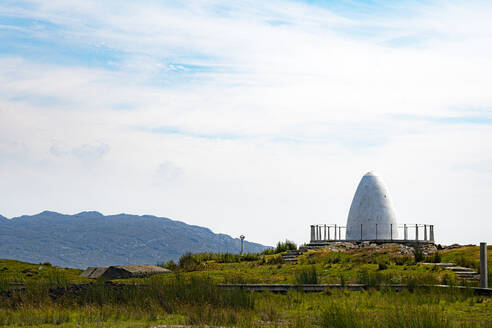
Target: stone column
<point>416,232</point>
<point>425,232</point>
<point>312,233</point>
<point>483,266</point>
<point>431,232</point>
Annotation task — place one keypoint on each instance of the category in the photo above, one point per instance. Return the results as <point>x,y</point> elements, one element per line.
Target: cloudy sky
<point>248,117</point>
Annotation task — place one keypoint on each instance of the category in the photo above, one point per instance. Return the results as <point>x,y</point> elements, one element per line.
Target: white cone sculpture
<point>371,214</point>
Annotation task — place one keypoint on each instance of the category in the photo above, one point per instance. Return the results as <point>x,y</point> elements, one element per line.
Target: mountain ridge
<point>93,239</point>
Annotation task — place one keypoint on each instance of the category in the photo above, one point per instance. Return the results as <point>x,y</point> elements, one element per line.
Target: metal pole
<point>483,266</point>
<point>242,243</point>
<point>416,232</point>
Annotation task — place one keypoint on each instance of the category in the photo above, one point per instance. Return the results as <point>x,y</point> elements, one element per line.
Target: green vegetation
<point>191,295</point>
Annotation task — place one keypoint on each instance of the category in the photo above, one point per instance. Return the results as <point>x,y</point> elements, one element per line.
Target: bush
<point>435,258</point>
<point>418,254</point>
<point>188,262</point>
<point>307,276</point>
<point>287,245</point>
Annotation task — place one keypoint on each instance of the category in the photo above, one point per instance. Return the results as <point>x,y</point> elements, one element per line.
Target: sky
<point>248,117</point>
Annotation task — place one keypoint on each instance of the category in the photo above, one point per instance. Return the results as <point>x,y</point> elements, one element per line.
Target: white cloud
<point>273,129</point>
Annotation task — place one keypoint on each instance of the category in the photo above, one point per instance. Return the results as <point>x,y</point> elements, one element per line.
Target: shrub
<point>188,262</point>
<point>418,254</point>
<point>287,245</point>
<point>307,276</point>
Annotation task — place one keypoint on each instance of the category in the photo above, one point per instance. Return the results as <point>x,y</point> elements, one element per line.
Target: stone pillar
<point>376,231</point>
<point>335,232</point>
<point>483,266</point>
<point>431,232</point>
<point>391,231</point>
<point>329,237</point>
<point>405,232</point>
<point>339,233</point>
<point>361,231</point>
<point>312,233</point>
<point>416,232</point>
<point>425,232</point>
<point>324,232</point>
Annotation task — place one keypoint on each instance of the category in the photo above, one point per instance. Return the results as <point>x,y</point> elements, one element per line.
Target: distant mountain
<point>92,239</point>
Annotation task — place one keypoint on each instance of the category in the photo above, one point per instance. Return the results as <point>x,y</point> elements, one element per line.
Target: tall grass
<point>307,275</point>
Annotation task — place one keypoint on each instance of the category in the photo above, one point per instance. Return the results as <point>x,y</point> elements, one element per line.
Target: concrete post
<point>431,228</point>
<point>416,232</point>
<point>483,266</point>
<point>312,233</point>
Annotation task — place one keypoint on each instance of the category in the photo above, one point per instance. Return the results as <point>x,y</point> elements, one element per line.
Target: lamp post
<point>242,243</point>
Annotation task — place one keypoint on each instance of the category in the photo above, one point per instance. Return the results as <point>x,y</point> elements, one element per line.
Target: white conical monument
<point>371,214</point>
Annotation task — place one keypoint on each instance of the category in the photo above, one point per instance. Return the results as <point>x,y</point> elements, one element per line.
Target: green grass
<point>193,297</point>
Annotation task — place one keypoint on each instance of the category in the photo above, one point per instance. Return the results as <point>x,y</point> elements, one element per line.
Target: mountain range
<point>92,239</point>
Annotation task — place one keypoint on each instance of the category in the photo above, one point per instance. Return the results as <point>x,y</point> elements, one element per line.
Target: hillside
<point>92,239</point>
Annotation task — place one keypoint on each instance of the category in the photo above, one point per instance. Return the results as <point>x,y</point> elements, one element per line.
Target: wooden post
<point>483,266</point>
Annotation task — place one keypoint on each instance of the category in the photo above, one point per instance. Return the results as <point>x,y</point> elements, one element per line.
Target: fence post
<point>483,266</point>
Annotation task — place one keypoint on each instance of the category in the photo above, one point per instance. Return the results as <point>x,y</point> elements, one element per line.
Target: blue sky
<point>263,113</point>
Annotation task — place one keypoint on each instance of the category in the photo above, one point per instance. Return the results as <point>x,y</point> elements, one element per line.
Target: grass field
<point>192,297</point>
